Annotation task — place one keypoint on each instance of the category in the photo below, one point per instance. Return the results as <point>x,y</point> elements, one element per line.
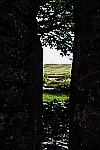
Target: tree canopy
<point>56,26</point>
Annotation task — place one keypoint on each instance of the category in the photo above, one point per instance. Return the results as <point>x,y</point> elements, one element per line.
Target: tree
<point>85,81</point>
<point>20,80</point>
<point>56,25</point>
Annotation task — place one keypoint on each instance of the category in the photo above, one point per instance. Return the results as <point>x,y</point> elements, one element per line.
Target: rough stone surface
<point>85,83</point>
<point>20,76</point>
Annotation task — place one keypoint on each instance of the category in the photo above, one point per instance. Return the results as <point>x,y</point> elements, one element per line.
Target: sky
<point>52,56</point>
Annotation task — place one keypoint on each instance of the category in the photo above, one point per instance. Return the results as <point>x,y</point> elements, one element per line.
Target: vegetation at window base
<point>51,97</point>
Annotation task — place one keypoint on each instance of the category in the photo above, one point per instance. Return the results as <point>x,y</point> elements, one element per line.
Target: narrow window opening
<point>56,31</point>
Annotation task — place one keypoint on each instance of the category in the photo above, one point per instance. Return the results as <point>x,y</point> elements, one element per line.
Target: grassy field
<point>57,68</point>
<point>51,97</point>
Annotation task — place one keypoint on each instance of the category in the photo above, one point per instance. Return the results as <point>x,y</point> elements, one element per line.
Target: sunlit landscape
<point>56,82</point>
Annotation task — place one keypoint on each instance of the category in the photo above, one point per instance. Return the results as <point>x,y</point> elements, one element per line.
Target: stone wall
<point>20,66</point>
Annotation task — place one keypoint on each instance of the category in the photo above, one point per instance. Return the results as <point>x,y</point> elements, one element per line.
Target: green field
<point>57,69</point>
<point>51,97</point>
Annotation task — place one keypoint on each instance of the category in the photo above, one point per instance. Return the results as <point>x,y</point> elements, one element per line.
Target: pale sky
<point>52,56</point>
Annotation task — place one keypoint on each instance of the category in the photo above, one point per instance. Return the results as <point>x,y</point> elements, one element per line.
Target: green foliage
<point>67,82</point>
<point>64,86</point>
<point>53,84</point>
<point>45,78</point>
<point>56,25</point>
<point>51,97</point>
<point>65,75</point>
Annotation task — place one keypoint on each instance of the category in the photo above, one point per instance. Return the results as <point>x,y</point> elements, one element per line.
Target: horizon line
<point>57,64</point>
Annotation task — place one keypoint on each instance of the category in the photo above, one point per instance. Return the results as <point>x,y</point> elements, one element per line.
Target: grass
<point>51,97</point>
<point>57,68</point>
